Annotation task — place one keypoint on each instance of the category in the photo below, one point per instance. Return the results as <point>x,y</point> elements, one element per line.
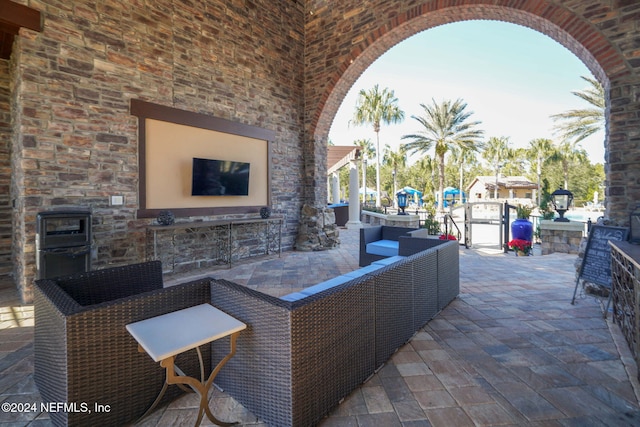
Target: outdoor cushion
<point>335,281</point>
<point>388,261</point>
<point>293,296</point>
<point>383,247</point>
<point>316,288</point>
<point>362,271</point>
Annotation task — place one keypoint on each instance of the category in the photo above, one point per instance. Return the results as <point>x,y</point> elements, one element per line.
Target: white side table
<point>164,337</point>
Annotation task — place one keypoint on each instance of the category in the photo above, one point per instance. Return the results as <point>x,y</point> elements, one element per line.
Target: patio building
<point>515,189</point>
<point>86,88</point>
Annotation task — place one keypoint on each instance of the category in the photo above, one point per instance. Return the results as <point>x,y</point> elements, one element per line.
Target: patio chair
<point>83,353</point>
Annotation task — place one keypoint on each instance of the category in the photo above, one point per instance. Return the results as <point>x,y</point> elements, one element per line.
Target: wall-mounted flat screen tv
<point>219,178</point>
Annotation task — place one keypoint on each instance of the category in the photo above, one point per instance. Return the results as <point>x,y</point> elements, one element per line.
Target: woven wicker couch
<point>83,353</point>
<point>379,242</point>
<point>297,359</point>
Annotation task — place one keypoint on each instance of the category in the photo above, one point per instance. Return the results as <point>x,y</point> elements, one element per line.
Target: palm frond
<point>579,124</point>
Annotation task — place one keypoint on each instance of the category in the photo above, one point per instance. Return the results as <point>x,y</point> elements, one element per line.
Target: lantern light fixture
<point>402,201</point>
<point>561,200</point>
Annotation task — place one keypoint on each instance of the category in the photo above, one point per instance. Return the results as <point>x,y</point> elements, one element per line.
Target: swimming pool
<point>582,216</point>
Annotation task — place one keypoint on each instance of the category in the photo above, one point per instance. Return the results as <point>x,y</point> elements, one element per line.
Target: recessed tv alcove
<point>169,141</point>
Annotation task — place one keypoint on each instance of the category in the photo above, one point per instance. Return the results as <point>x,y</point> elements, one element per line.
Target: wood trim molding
<point>146,110</point>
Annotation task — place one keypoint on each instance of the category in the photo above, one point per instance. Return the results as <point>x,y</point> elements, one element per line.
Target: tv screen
<point>219,178</point>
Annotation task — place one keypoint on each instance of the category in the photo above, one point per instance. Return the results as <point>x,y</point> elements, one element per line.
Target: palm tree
<point>376,107</point>
<point>395,159</point>
<point>366,147</point>
<point>496,151</point>
<point>462,156</point>
<point>367,153</point>
<point>576,125</point>
<point>540,149</point>
<point>444,126</point>
<point>566,153</point>
<point>422,175</point>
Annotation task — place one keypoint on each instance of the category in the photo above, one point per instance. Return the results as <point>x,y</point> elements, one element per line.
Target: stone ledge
<point>375,218</point>
<point>564,226</point>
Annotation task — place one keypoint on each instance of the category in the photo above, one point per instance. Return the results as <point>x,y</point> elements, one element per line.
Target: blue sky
<point>512,78</point>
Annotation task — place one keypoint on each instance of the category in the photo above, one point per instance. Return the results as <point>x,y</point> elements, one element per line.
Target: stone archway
<point>362,35</point>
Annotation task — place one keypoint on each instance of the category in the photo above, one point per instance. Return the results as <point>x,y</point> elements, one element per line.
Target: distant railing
<point>450,222</point>
<point>422,216</point>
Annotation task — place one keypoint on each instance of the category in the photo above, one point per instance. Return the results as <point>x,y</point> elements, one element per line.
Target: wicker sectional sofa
<point>299,356</point>
<point>302,354</point>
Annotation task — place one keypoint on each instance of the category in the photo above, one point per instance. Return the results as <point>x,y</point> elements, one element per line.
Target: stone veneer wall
<point>75,140</point>
<point>6,265</point>
<point>318,229</point>
<point>564,237</point>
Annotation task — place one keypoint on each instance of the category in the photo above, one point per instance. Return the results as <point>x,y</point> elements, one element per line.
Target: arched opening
<point>380,45</point>
<point>513,80</point>
<point>579,37</point>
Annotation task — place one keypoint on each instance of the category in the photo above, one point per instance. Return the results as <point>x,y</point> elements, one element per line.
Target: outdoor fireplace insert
<point>63,243</point>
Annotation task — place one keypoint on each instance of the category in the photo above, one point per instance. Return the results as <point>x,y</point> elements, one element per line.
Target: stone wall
<point>375,218</point>
<point>563,237</point>
<point>76,142</point>
<point>5,170</point>
<point>318,229</point>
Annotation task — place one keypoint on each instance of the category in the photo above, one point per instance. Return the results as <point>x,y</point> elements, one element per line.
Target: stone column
<point>318,230</point>
<point>562,237</point>
<point>354,199</point>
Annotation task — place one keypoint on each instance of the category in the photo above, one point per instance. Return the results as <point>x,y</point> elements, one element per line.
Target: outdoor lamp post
<point>402,201</point>
<point>393,172</point>
<point>561,200</point>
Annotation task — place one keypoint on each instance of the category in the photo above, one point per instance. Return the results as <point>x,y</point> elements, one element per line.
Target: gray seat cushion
<point>383,247</point>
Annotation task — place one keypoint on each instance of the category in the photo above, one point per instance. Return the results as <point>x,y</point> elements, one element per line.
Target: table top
<point>213,223</point>
<point>173,333</point>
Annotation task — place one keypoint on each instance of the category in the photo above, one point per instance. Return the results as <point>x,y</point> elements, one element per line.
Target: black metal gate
<point>63,243</point>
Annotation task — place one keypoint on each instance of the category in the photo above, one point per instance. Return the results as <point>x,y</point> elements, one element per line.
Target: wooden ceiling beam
<point>14,15</point>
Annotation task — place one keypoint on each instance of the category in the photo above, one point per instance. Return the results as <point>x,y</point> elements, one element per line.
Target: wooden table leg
<point>202,388</point>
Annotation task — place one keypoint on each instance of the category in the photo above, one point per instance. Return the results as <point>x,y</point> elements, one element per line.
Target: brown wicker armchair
<point>375,233</point>
<point>83,353</point>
